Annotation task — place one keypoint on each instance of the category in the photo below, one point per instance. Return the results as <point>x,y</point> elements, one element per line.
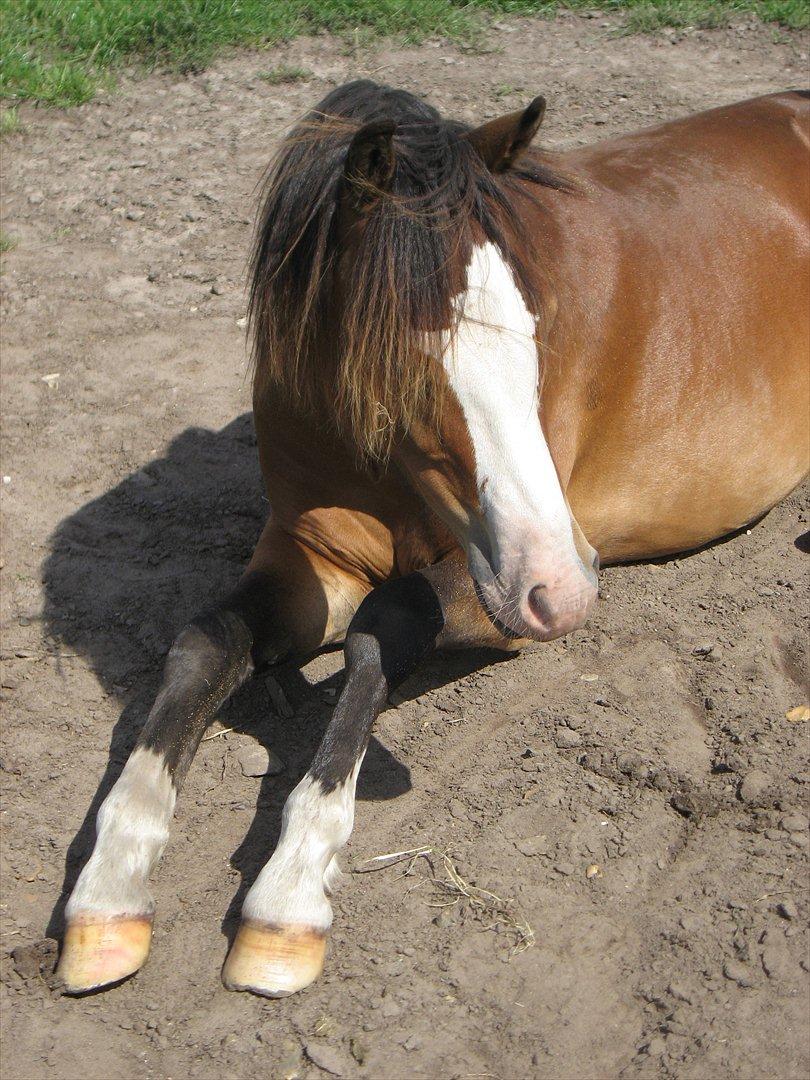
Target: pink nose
<point>554,612</point>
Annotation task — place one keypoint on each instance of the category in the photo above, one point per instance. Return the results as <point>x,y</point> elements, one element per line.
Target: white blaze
<point>492,367</point>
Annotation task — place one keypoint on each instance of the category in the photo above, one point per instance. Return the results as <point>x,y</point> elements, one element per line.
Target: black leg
<point>281,942</point>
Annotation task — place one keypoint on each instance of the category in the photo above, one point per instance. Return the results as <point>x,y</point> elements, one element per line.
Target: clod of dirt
<point>680,993</point>
<point>38,959</point>
<point>753,787</point>
<point>256,760</point>
<point>738,972</point>
<point>565,739</point>
<point>329,1058</point>
<point>533,845</point>
<point>794,823</point>
<point>565,868</point>
<point>787,908</point>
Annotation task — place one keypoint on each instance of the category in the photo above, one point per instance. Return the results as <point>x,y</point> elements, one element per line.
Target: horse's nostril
<point>539,604</point>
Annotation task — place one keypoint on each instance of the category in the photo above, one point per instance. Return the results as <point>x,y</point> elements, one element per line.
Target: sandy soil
<point>653,744</point>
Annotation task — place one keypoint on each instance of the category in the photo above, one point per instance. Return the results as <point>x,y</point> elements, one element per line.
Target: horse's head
<point>430,304</point>
<point>486,469</point>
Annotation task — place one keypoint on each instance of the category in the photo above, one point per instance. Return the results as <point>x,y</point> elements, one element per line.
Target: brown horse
<point>470,357</point>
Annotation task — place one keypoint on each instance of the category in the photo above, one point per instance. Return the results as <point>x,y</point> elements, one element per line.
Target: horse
<point>480,369</point>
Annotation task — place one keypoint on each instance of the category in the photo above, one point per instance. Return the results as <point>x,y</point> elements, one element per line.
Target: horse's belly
<point>638,513</point>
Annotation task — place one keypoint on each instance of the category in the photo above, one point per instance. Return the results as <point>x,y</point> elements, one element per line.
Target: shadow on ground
<point>131,567</point>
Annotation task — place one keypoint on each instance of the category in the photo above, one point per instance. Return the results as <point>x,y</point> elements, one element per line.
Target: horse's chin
<point>511,633</point>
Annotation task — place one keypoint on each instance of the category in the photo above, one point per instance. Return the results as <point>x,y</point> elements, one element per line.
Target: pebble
<point>135,215</point>
<point>794,823</point>
<point>753,787</point>
<point>656,1046</point>
<point>35,198</point>
<point>533,845</point>
<point>565,868</point>
<point>565,739</point>
<point>738,972</point>
<point>680,993</point>
<point>787,908</point>
<point>256,760</point>
<point>458,810</point>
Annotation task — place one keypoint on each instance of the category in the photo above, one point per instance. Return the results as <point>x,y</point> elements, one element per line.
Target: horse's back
<point>689,252</point>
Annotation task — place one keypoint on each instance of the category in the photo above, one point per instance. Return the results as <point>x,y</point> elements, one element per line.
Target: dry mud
<point>653,744</point>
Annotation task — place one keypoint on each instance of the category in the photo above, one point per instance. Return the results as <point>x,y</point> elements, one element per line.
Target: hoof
<point>97,952</point>
<point>274,961</point>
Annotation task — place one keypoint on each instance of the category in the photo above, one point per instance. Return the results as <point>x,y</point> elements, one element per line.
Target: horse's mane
<point>373,369</point>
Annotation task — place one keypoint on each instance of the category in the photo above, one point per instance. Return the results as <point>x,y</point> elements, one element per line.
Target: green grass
<point>285,73</point>
<point>10,121</point>
<point>7,243</point>
<point>60,52</point>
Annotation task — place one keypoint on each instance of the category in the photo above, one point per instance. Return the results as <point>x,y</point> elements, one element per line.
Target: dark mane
<point>369,359</point>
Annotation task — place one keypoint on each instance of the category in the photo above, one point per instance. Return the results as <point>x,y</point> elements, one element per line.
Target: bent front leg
<point>281,942</point>
<point>110,911</point>
<point>289,602</point>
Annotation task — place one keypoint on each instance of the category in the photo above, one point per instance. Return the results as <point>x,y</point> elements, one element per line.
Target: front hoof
<point>274,961</point>
<point>97,952</point>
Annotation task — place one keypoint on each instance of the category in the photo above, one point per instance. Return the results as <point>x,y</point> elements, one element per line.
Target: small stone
<point>703,650</point>
<point>533,845</point>
<point>680,993</point>
<point>329,1058</point>
<point>565,868</point>
<point>289,1062</point>
<point>444,918</point>
<point>256,760</point>
<point>35,198</point>
<point>656,1046</point>
<point>753,787</point>
<point>458,810</point>
<point>593,871</point>
<point>799,715</point>
<point>565,739</point>
<point>359,1049</point>
<point>738,972</point>
<point>794,823</point>
<point>135,215</point>
<point>218,290</point>
<point>787,908</point>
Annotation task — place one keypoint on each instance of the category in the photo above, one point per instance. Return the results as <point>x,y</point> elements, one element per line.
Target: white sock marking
<point>492,367</point>
<point>132,828</point>
<point>292,887</point>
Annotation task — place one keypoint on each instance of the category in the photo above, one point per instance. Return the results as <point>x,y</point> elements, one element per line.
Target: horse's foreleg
<point>109,913</point>
<point>280,945</point>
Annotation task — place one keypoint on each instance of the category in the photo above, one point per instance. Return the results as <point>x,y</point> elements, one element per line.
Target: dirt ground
<point>653,744</point>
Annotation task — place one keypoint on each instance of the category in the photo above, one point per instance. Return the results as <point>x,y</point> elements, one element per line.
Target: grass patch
<point>9,121</point>
<point>7,243</point>
<point>60,52</point>
<point>285,73</point>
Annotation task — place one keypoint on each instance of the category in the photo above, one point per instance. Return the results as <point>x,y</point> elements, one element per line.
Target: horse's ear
<point>370,160</point>
<point>501,142</point>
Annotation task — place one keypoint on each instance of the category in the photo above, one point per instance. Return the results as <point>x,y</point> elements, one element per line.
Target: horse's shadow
<point>130,568</point>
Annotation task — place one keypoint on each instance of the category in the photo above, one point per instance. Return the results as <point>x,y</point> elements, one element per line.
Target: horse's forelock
<point>398,300</point>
